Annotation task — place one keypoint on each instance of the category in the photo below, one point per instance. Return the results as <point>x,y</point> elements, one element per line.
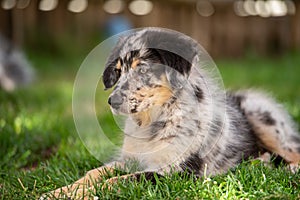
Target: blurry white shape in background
<point>239,9</point>
<point>278,8</point>
<point>48,5</point>
<point>114,6</point>
<point>141,7</point>
<point>8,4</point>
<point>249,6</point>
<point>264,8</point>
<point>205,8</point>
<point>15,70</point>
<point>77,6</point>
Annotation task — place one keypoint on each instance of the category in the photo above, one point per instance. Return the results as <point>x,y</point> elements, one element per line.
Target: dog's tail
<point>15,70</point>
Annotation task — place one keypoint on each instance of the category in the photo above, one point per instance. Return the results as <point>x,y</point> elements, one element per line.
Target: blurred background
<point>226,28</point>
<point>255,43</point>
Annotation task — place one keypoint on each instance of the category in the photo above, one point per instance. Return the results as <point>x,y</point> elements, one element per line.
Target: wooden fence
<point>222,34</point>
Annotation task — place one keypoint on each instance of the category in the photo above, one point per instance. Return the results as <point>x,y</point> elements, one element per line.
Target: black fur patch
<point>134,110</point>
<point>277,160</point>
<point>267,119</point>
<point>185,47</point>
<point>175,61</point>
<point>192,164</point>
<point>198,93</point>
<point>127,61</point>
<point>235,98</point>
<point>111,75</point>
<point>168,58</point>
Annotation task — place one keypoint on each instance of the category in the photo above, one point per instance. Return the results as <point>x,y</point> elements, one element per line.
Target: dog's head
<point>147,68</point>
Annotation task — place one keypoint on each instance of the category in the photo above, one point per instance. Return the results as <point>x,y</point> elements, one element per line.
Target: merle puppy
<point>178,118</point>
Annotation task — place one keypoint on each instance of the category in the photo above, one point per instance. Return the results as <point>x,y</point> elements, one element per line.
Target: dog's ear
<point>174,61</point>
<point>113,65</point>
<point>111,74</point>
<point>177,68</point>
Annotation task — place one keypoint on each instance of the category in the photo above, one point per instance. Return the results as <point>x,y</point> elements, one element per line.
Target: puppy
<point>179,119</point>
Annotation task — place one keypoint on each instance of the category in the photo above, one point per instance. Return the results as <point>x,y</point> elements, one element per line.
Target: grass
<point>40,149</point>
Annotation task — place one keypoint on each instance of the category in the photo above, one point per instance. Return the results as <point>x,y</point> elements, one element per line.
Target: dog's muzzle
<point>115,101</point>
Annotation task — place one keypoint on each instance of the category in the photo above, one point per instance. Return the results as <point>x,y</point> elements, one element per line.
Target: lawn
<point>41,150</point>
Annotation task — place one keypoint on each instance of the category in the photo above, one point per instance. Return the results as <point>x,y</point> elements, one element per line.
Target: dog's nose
<point>115,101</point>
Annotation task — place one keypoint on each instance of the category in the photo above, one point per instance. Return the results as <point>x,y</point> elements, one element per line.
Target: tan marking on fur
<point>143,118</point>
<point>156,96</point>
<point>272,143</point>
<point>118,66</point>
<point>161,95</point>
<point>134,63</point>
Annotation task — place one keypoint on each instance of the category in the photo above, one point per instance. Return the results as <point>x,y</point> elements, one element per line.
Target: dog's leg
<point>285,145</point>
<point>149,176</point>
<point>89,193</point>
<point>272,126</point>
<point>83,187</point>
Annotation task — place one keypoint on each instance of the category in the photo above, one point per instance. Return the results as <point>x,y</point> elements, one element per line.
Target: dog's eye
<point>143,70</point>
